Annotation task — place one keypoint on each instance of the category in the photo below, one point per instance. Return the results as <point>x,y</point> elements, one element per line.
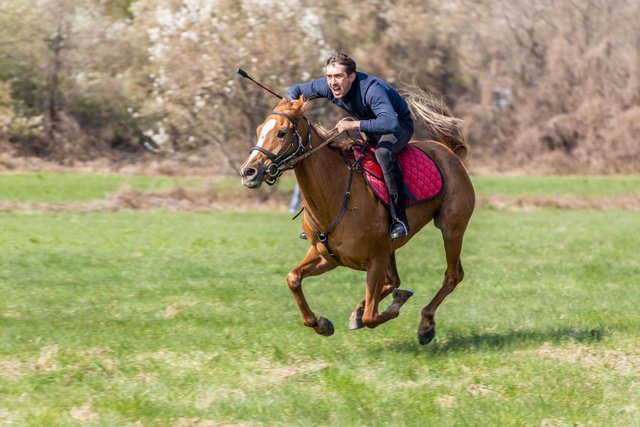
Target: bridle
<point>286,161</point>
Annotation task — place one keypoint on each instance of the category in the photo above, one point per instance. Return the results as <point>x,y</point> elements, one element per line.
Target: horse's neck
<point>323,178</point>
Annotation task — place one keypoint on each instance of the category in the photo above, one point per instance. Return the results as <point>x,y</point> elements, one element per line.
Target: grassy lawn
<point>69,187</point>
<point>158,318</point>
<point>585,186</point>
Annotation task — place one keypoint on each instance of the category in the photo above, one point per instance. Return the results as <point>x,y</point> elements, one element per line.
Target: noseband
<point>286,161</point>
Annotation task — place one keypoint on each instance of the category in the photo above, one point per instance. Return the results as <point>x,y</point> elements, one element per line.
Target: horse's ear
<point>298,104</point>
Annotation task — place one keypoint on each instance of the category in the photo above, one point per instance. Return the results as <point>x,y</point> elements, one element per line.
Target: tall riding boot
<point>397,203</point>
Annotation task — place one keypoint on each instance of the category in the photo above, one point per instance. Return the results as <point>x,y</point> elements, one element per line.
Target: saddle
<point>422,178</point>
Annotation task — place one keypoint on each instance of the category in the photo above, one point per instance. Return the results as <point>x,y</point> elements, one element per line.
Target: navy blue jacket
<point>379,107</point>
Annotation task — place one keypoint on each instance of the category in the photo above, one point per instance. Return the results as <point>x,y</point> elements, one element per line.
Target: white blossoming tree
<point>196,47</point>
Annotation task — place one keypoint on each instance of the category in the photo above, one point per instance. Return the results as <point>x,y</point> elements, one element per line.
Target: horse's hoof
<point>355,321</point>
<point>401,295</point>
<point>324,327</point>
<point>426,337</point>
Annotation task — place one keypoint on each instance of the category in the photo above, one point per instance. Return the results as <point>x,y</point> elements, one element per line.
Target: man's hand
<point>345,125</point>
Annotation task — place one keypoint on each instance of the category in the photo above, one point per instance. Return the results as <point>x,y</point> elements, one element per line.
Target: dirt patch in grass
<point>46,361</point>
<point>628,202</point>
<point>624,362</point>
<point>271,372</point>
<point>209,198</point>
<point>84,414</point>
<point>205,198</point>
<point>11,368</point>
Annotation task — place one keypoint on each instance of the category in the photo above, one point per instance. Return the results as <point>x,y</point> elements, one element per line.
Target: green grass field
<point>68,187</point>
<point>158,318</point>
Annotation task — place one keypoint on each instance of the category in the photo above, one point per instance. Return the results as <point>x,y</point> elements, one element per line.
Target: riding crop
<point>247,76</point>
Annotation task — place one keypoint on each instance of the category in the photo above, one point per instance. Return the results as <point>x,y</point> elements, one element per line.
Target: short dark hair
<point>342,58</point>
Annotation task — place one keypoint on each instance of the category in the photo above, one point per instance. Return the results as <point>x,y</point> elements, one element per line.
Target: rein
<point>313,150</point>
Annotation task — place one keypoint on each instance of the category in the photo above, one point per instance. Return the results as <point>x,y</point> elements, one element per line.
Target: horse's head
<point>282,138</point>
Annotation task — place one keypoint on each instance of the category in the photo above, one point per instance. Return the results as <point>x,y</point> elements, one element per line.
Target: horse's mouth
<point>252,184</point>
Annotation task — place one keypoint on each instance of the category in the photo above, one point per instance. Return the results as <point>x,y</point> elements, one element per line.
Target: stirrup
<point>398,229</point>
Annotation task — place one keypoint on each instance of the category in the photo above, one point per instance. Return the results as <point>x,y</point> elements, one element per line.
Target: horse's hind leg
<point>311,265</point>
<point>391,286</point>
<point>453,276</point>
<point>376,278</point>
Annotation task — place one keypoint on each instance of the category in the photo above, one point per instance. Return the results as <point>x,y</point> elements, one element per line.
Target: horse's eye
<point>282,133</point>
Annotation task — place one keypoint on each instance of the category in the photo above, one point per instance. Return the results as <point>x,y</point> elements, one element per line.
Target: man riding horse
<point>339,204</point>
<point>381,114</point>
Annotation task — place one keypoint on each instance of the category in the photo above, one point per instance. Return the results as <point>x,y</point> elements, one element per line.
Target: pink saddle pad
<point>422,178</point>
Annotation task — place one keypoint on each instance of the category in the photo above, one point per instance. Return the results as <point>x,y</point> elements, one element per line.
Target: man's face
<point>338,80</point>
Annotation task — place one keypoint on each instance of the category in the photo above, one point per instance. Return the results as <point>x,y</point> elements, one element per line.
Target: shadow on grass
<point>498,341</point>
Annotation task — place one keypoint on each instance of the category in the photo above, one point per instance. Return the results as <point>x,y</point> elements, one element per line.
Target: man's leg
<point>386,151</point>
<point>295,199</point>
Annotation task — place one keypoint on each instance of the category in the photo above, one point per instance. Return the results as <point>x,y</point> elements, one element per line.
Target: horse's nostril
<point>250,173</point>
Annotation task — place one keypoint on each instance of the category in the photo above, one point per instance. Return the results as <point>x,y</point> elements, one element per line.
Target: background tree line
<point>545,86</point>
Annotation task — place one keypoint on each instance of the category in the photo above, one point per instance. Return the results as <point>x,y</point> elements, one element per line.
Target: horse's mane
<point>438,119</point>
<point>342,143</point>
<point>322,131</point>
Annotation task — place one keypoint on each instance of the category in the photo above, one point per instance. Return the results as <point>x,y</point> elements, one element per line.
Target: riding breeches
<point>387,148</point>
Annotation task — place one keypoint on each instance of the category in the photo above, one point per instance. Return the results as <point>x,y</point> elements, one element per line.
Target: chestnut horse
<point>346,225</point>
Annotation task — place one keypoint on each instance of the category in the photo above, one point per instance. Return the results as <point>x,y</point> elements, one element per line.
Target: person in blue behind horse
<point>381,114</point>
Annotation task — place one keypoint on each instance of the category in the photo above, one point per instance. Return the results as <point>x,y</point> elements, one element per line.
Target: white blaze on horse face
<point>263,135</point>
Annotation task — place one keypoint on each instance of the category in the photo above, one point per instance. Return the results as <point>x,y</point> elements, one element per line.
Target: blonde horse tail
<point>437,118</point>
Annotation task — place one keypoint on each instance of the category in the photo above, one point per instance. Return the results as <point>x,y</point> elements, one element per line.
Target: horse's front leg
<point>391,286</point>
<point>311,265</point>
